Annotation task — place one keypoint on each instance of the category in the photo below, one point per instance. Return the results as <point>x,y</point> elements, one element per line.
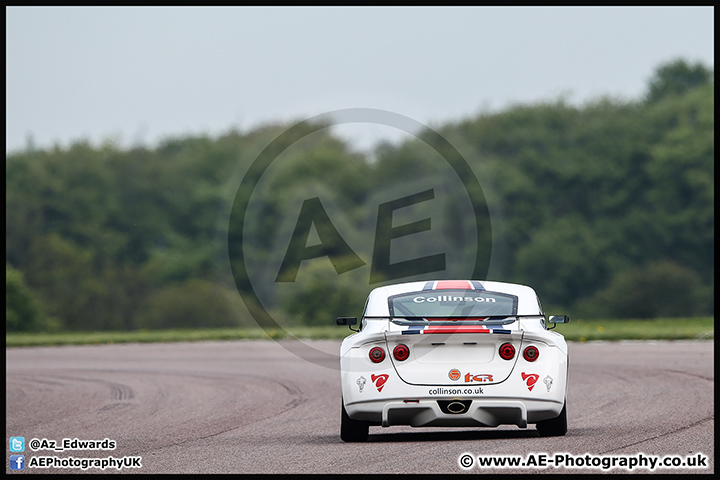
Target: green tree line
<point>606,209</point>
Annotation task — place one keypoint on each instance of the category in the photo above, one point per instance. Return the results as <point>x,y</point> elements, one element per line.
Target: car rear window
<point>452,303</point>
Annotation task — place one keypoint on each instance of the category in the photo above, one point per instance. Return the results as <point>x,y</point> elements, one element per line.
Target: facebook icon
<point>17,462</point>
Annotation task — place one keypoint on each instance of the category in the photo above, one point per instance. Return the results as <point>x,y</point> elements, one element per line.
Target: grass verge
<point>577,330</point>
<point>698,328</point>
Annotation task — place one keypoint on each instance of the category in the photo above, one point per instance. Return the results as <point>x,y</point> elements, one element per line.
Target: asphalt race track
<point>256,407</point>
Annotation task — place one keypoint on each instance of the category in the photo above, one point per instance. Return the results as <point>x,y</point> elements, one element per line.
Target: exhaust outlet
<point>454,407</point>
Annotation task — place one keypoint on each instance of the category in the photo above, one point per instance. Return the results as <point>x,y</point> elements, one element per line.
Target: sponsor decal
<point>530,379</point>
<point>456,391</point>
<point>379,380</point>
<point>454,374</point>
<point>452,298</point>
<point>483,377</point>
<point>361,383</point>
<point>548,382</point>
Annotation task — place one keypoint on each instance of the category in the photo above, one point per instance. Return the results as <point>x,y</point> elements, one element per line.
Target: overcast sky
<point>140,75</point>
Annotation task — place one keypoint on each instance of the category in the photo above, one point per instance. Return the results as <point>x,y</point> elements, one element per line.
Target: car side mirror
<point>349,321</point>
<point>559,319</point>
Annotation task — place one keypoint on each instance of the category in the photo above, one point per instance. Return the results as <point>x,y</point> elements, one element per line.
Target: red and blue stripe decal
<point>448,329</point>
<point>453,285</point>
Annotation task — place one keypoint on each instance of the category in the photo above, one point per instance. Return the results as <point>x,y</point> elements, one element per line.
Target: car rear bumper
<point>485,412</point>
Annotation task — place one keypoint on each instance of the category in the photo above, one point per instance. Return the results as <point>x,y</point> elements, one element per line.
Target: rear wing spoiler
<point>420,321</point>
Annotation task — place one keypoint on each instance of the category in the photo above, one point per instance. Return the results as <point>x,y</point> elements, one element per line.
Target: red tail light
<point>377,354</point>
<point>531,353</point>
<point>507,351</point>
<point>401,352</point>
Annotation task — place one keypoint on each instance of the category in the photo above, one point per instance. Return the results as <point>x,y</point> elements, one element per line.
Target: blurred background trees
<point>606,209</point>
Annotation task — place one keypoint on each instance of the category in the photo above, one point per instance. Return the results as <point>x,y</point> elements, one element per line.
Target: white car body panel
<point>458,360</point>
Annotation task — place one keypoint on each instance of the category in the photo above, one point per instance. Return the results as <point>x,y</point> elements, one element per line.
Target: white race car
<point>453,353</point>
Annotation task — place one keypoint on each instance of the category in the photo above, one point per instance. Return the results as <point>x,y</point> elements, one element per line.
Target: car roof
<point>377,305</point>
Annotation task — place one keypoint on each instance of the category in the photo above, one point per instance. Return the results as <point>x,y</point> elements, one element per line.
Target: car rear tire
<point>353,430</point>
<point>555,427</point>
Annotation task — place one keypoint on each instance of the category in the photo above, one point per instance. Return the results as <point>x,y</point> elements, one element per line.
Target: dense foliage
<point>607,209</point>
